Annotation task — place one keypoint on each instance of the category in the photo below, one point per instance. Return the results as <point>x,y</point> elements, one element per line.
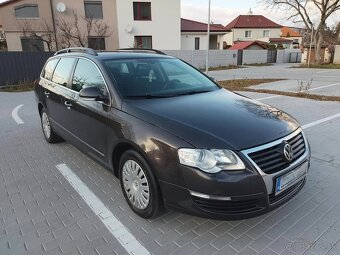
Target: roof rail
<point>142,50</point>
<point>77,49</point>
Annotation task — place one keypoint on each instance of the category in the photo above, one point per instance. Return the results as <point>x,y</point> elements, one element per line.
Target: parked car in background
<point>172,136</point>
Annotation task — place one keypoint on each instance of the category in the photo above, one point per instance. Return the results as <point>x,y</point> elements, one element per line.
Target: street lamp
<point>310,44</point>
<point>208,35</point>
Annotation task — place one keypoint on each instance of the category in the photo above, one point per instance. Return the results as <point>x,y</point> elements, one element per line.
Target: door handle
<point>68,105</point>
<point>47,94</point>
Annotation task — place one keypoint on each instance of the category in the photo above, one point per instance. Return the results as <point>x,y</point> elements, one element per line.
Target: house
<point>40,25</point>
<point>251,28</point>
<point>194,35</point>
<point>248,45</point>
<point>294,36</point>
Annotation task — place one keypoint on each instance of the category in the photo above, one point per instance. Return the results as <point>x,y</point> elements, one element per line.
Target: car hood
<point>217,119</point>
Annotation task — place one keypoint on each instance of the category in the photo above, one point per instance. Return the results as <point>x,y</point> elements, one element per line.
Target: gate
<point>239,57</point>
<point>271,56</point>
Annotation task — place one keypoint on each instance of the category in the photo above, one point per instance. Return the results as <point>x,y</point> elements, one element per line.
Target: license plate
<point>288,179</point>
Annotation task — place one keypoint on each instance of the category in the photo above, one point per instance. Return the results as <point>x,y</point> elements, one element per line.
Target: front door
<point>87,119</point>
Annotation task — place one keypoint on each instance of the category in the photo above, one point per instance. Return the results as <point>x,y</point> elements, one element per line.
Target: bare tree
<point>304,11</point>
<point>331,37</point>
<point>75,30</point>
<point>41,31</point>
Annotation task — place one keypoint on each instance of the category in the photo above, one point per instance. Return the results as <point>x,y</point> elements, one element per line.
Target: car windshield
<point>157,77</point>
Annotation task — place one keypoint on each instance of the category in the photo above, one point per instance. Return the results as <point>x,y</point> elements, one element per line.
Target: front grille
<point>273,199</point>
<point>227,207</point>
<point>271,160</point>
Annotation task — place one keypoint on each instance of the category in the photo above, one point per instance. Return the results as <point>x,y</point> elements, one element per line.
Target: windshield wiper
<point>193,92</point>
<point>148,96</point>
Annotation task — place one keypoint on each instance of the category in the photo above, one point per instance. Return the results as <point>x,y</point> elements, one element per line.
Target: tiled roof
<point>195,26</point>
<point>245,45</point>
<point>288,32</point>
<point>252,21</point>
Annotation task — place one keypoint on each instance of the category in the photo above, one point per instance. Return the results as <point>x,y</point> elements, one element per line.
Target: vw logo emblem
<point>288,152</point>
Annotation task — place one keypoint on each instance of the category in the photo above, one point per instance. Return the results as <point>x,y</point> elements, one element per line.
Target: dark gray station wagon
<point>173,137</point>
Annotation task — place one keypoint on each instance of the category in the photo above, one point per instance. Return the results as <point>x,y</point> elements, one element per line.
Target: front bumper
<point>232,196</point>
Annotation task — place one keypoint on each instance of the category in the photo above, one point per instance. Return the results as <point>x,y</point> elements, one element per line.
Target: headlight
<point>210,161</point>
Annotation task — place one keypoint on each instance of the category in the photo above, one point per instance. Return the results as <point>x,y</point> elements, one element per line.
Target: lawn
<point>219,68</point>
<point>27,86</point>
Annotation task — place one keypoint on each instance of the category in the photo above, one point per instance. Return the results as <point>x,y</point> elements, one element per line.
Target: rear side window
<point>87,74</point>
<point>49,68</point>
<point>63,70</point>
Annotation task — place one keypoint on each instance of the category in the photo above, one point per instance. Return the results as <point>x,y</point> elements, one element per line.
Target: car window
<point>87,74</point>
<point>157,76</point>
<point>63,70</point>
<point>49,68</point>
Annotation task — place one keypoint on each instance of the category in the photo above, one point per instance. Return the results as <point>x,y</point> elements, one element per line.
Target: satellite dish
<point>128,28</point>
<point>61,7</point>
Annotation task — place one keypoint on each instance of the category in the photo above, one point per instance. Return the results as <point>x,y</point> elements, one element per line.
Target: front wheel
<point>139,186</point>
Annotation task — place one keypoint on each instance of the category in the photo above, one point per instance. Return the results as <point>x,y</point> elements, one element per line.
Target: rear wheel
<point>139,185</point>
<point>48,132</point>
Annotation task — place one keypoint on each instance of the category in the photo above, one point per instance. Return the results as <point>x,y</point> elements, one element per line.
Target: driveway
<point>43,212</point>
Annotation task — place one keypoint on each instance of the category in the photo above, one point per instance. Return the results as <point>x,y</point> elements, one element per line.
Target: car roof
<point>108,55</point>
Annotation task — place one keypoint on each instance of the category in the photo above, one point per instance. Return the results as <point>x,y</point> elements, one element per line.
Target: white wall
<point>337,55</point>
<point>165,27</point>
<point>254,57</point>
<point>256,34</point>
<point>188,41</point>
<point>197,57</point>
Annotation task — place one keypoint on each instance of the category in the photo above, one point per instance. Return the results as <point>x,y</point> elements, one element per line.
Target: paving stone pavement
<point>40,213</point>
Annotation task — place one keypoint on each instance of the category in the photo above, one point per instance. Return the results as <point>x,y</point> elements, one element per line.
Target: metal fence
<point>19,67</point>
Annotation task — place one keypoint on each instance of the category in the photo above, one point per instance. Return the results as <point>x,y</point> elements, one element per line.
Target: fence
<point>18,67</point>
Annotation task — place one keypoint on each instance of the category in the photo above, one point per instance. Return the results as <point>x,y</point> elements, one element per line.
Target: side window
<point>49,68</point>
<point>87,74</point>
<point>63,70</point>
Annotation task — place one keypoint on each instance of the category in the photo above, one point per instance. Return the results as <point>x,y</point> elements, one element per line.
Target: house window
<point>197,43</point>
<point>143,42</point>
<point>266,33</point>
<point>32,44</point>
<point>93,10</point>
<point>96,43</point>
<point>142,10</point>
<point>247,34</point>
<point>27,11</point>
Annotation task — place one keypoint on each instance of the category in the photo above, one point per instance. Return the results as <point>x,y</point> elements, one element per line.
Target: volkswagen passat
<point>171,135</point>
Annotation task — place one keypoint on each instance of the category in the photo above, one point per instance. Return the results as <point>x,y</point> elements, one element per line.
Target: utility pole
<point>310,45</point>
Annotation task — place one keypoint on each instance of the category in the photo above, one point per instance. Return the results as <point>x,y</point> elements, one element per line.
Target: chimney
<point>250,12</point>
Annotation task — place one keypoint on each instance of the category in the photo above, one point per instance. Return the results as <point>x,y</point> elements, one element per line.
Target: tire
<point>49,134</point>
<point>139,185</point>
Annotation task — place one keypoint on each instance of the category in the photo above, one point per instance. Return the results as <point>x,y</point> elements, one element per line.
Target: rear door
<point>58,90</point>
<point>87,119</point>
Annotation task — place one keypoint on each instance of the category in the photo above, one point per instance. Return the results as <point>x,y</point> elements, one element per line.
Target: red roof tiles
<point>245,45</point>
<point>195,26</point>
<point>252,21</point>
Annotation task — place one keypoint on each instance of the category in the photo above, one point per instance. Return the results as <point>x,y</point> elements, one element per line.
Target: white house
<point>149,24</point>
<point>251,28</point>
<point>194,35</point>
<point>294,36</point>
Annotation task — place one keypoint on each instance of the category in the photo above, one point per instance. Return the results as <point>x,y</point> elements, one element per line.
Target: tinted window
<point>32,44</point>
<point>87,74</point>
<point>143,42</point>
<point>27,11</point>
<point>142,10</point>
<point>63,70</point>
<point>157,77</point>
<point>93,10</point>
<point>96,43</point>
<point>49,68</point>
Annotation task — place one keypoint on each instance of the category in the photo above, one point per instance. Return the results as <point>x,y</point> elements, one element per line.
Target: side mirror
<point>92,93</point>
